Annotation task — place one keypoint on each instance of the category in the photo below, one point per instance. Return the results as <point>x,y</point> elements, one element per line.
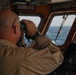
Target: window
<point>59,28</point>
<point>35,19</point>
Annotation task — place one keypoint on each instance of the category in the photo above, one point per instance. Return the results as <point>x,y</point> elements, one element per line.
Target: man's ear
<point>15,29</point>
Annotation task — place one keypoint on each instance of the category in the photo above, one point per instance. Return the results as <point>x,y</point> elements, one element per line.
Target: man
<point>16,60</point>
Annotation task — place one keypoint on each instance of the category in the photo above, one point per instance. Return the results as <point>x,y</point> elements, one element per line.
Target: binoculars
<point>22,25</point>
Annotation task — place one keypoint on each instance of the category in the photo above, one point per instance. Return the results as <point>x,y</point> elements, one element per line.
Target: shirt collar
<point>7,43</point>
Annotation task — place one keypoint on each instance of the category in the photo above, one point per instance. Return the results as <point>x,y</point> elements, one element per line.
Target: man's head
<point>9,26</point>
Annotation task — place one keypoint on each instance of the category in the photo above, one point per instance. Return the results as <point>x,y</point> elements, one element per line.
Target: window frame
<point>57,13</point>
<point>29,42</point>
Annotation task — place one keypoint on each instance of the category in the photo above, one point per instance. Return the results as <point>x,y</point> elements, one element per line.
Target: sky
<point>58,20</point>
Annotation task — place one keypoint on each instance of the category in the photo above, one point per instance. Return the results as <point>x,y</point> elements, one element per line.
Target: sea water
<point>53,31</point>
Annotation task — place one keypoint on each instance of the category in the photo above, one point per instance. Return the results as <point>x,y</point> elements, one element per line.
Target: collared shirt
<point>16,60</point>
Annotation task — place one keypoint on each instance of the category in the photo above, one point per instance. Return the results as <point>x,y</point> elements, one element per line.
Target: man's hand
<point>30,27</point>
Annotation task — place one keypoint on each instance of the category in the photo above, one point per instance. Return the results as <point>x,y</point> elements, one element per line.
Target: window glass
<point>59,28</point>
<point>35,19</point>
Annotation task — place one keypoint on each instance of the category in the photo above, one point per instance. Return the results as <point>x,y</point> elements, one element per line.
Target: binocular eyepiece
<point>22,25</point>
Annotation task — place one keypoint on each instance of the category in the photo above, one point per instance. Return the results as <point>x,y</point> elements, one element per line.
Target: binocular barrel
<point>22,25</point>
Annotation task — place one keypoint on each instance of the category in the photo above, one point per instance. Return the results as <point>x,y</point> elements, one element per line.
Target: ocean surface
<point>60,39</point>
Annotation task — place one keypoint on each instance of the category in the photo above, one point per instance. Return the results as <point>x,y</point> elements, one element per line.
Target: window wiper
<point>64,19</point>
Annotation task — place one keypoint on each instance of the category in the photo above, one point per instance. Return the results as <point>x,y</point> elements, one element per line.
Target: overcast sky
<point>58,20</point>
